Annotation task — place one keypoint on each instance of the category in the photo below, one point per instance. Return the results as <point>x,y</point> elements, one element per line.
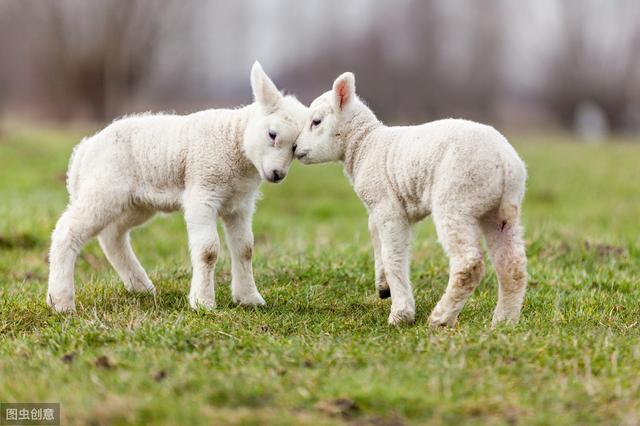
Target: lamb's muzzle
<point>276,176</point>
<point>300,155</point>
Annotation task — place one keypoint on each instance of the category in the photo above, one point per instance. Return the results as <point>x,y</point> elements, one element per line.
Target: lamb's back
<point>466,164</point>
<point>444,159</point>
<point>132,151</point>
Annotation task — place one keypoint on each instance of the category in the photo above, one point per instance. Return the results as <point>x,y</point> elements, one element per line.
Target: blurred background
<point>543,66</point>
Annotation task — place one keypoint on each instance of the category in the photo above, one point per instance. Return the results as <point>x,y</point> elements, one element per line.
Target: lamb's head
<point>322,138</point>
<point>273,128</point>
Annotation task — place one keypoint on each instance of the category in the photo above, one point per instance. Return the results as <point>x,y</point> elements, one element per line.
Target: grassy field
<point>321,351</point>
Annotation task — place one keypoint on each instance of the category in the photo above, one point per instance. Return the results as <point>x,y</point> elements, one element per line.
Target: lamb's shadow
<point>113,305</point>
<point>295,310</point>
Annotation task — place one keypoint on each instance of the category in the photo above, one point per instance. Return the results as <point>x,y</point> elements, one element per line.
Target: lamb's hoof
<point>502,318</point>
<point>402,316</point>
<point>60,305</point>
<point>254,299</point>
<point>384,293</point>
<point>440,318</point>
<point>140,285</point>
<point>197,303</point>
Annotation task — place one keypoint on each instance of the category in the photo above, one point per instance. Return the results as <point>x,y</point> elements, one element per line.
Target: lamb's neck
<point>355,136</point>
<point>234,132</point>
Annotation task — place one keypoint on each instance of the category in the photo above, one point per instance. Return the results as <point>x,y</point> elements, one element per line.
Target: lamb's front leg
<point>395,236</point>
<point>240,242</point>
<point>381,282</point>
<point>204,246</point>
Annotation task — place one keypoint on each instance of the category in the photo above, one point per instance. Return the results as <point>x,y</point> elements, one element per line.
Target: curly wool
<point>208,164</point>
<point>465,174</point>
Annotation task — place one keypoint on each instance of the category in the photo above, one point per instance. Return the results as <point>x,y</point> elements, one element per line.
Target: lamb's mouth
<point>302,156</point>
<point>262,174</point>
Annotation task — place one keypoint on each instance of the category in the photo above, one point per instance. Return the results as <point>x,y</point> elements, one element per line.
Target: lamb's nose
<point>295,145</point>
<point>278,176</point>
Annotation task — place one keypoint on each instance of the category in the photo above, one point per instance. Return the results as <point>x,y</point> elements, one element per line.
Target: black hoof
<point>384,293</point>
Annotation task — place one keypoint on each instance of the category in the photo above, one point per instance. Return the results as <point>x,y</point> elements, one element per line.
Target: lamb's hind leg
<point>460,237</point>
<point>507,253</point>
<point>80,222</point>
<point>114,240</point>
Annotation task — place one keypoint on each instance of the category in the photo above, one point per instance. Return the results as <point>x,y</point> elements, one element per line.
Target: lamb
<point>466,175</point>
<point>208,164</point>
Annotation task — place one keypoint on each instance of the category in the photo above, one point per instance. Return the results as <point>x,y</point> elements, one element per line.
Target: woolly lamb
<point>466,175</point>
<point>208,164</point>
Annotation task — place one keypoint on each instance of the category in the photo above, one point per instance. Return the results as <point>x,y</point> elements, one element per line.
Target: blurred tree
<point>418,63</point>
<point>92,57</point>
<point>580,73</point>
<point>4,54</point>
<point>415,60</point>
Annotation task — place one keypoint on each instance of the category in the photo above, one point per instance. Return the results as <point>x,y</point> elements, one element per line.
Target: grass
<point>573,359</point>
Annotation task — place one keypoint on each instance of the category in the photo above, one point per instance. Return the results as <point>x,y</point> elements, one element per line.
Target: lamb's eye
<point>272,135</point>
<point>316,122</point>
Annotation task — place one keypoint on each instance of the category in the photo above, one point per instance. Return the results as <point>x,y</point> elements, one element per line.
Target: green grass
<point>574,358</point>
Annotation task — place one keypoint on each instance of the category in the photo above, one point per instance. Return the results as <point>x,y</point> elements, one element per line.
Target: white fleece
<point>208,164</point>
<point>466,175</point>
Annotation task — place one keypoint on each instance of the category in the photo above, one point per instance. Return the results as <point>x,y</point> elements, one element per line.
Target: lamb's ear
<point>264,91</point>
<point>344,90</point>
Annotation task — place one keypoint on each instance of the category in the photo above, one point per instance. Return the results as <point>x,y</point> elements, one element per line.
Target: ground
<point>321,351</point>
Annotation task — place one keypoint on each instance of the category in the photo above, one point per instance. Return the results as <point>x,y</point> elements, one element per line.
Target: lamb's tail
<point>73,171</point>
<point>515,176</point>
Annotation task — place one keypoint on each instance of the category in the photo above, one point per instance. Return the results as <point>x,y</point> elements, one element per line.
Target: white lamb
<point>463,173</point>
<point>208,164</point>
